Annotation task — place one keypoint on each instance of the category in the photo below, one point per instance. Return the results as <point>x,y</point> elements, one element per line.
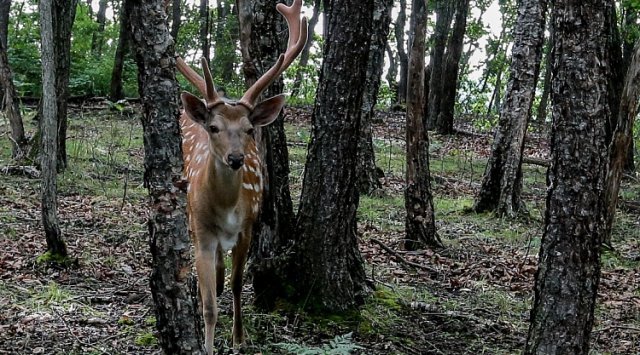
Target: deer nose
<point>235,161</point>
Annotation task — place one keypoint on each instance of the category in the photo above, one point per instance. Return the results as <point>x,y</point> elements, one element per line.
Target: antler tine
<point>211,96</point>
<point>297,40</point>
<point>194,78</point>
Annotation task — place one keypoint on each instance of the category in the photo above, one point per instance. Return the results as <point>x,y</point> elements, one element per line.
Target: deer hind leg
<point>205,260</point>
<point>219,271</point>
<point>239,255</point>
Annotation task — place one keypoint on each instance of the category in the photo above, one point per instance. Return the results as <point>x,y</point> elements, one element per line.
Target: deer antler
<point>206,88</point>
<point>297,40</point>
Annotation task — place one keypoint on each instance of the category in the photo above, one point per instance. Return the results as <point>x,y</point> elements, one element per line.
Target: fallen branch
<point>401,259</point>
<point>25,170</point>
<point>536,161</point>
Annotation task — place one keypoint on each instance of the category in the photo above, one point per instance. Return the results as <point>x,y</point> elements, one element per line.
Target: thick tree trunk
<point>64,13</point>
<point>51,225</point>
<point>328,271</point>
<point>502,183</point>
<point>403,58</point>
<point>262,43</point>
<point>304,55</point>
<point>176,312</point>
<point>575,219</point>
<point>420,224</point>
<point>444,120</point>
<point>444,12</point>
<point>368,173</point>
<point>116,91</point>
<point>97,39</point>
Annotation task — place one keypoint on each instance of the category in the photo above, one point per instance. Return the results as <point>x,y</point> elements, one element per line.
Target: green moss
<point>51,258</point>
<point>146,339</point>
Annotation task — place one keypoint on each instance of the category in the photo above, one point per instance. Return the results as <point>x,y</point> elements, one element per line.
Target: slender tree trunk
<point>368,173</point>
<point>575,219</point>
<point>304,55</point>
<point>401,21</point>
<point>225,41</point>
<point>392,72</point>
<point>262,42</point>
<point>51,225</point>
<point>97,38</point>
<point>176,312</point>
<point>622,136</point>
<point>502,183</point>
<point>5,9</point>
<point>444,12</point>
<point>328,273</point>
<point>64,13</point>
<point>541,116</point>
<point>444,120</point>
<point>116,88</point>
<point>11,107</point>
<point>205,44</point>
<point>420,224</point>
<point>176,16</point>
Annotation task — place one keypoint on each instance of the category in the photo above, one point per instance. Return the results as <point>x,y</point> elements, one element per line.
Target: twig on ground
<point>401,259</point>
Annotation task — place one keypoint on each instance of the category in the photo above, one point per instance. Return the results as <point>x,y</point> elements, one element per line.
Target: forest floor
<point>472,297</point>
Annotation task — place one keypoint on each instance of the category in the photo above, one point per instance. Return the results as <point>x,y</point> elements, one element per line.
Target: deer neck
<point>223,183</point>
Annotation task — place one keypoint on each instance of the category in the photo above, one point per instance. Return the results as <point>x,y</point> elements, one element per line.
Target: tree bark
<point>262,42</point>
<point>403,58</point>
<point>328,273</point>
<point>444,120</point>
<point>5,9</point>
<point>575,219</point>
<point>368,173</point>
<point>176,312</point>
<point>11,107</point>
<point>502,183</point>
<point>64,13</point>
<point>420,227</point>
<point>541,116</point>
<point>176,19</point>
<point>48,124</point>
<point>205,43</point>
<point>444,12</point>
<point>97,39</point>
<point>304,55</point>
<point>116,91</point>
<point>622,136</point>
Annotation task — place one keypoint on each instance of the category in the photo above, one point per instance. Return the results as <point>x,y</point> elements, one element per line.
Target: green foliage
<point>146,339</point>
<point>341,344</point>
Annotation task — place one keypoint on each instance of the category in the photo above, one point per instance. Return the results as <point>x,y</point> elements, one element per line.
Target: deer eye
<point>214,129</point>
<point>251,132</point>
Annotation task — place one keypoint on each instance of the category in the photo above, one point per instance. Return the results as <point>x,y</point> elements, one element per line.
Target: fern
<point>340,345</point>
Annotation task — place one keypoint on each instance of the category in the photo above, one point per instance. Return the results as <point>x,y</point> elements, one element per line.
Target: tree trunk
<point>5,9</point>
<point>622,136</point>
<point>225,42</point>
<point>420,224</point>
<point>116,88</point>
<point>401,21</point>
<point>541,116</point>
<point>97,39</point>
<point>64,13</point>
<point>176,312</point>
<point>444,120</point>
<point>262,42</point>
<point>392,72</point>
<point>205,44</point>
<point>12,107</point>
<point>328,271</point>
<point>444,12</point>
<point>368,173</point>
<point>502,183</point>
<point>304,55</point>
<point>575,219</point>
<point>176,16</point>
<point>51,225</point>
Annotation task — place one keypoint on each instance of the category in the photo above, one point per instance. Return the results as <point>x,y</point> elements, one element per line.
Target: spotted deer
<point>224,171</point>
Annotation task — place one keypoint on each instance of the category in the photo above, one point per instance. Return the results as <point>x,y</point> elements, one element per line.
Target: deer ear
<point>267,111</point>
<point>194,107</point>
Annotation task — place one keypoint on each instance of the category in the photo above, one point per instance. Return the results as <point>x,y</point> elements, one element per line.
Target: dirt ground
<point>472,297</point>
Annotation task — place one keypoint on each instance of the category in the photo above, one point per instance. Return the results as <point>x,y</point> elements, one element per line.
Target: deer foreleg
<point>239,255</point>
<point>205,260</point>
